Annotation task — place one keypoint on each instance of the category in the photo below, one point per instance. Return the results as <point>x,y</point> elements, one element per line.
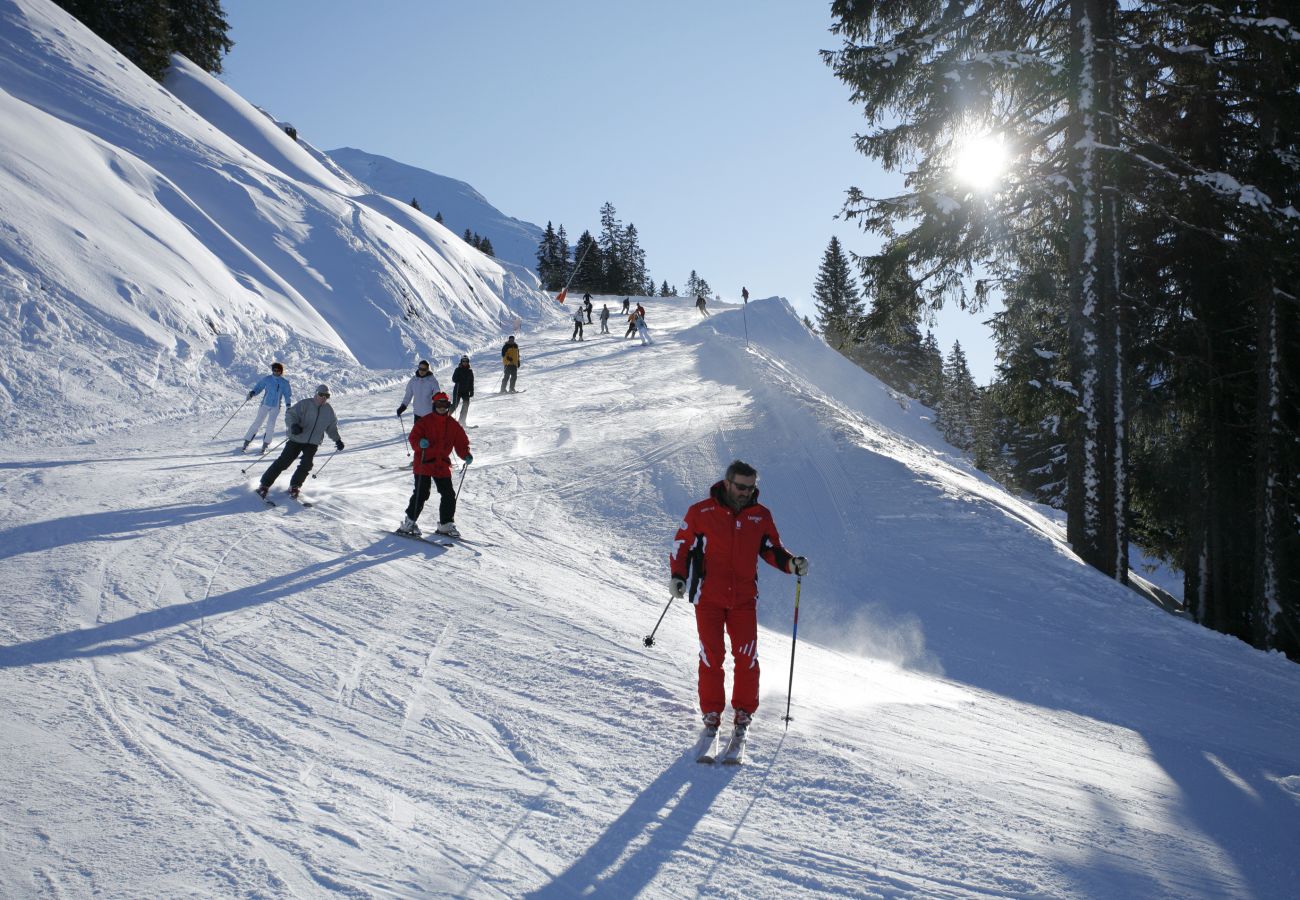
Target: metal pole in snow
<point>794,639</point>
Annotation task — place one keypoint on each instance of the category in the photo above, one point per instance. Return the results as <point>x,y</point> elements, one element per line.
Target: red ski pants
<point>741,626</point>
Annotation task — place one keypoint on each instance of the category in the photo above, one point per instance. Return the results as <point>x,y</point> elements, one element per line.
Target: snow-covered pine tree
<point>958,409</point>
<point>836,298</point>
<point>199,31</point>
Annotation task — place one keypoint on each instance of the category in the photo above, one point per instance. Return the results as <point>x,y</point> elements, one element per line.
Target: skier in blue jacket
<point>276,388</point>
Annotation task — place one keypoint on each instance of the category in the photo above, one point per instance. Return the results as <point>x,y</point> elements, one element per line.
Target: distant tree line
<point>613,263</point>
<point>1145,246</point>
<point>147,32</point>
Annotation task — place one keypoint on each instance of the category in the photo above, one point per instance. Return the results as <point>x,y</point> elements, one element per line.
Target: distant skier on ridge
<point>718,545</point>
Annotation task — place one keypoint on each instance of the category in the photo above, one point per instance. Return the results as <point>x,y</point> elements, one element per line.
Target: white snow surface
<point>159,238</point>
<point>513,240</point>
<point>201,695</point>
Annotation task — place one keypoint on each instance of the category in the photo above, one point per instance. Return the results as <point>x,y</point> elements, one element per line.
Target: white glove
<point>798,566</point>
<point>677,586</point>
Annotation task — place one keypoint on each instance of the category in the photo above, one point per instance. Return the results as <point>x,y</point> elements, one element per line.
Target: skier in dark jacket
<point>462,380</point>
<point>721,540</point>
<point>586,307</point>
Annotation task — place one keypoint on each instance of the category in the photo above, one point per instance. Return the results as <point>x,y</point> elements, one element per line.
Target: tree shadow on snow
<point>688,790</point>
<point>114,525</point>
<point>139,631</point>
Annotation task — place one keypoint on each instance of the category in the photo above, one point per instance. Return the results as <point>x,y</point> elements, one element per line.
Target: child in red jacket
<point>433,438</point>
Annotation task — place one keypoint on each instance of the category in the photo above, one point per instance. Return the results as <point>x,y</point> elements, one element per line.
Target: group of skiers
<point>715,551</point>
<point>635,320</point>
<point>433,436</point>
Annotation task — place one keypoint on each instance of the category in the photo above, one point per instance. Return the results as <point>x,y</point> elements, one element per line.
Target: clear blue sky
<point>713,126</point>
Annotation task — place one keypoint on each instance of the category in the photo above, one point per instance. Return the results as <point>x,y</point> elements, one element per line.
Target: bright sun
<point>981,162</point>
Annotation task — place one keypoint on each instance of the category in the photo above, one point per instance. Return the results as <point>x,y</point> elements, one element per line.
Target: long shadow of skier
<point>692,786</point>
<point>116,525</point>
<point>128,635</point>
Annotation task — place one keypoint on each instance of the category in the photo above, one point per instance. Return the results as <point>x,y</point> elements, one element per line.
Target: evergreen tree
<point>147,32</point>
<point>958,409</point>
<point>437,217</point>
<point>697,286</point>
<point>663,289</point>
<point>486,246</point>
<point>415,203</point>
<point>562,264</point>
<point>547,250</point>
<point>199,32</point>
<point>468,237</point>
<point>835,297</point>
<point>587,255</point>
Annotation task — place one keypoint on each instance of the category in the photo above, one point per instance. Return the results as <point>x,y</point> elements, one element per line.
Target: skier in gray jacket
<point>308,422</point>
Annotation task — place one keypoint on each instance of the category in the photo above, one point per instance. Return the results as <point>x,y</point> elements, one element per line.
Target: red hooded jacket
<point>731,542</point>
<point>443,433</point>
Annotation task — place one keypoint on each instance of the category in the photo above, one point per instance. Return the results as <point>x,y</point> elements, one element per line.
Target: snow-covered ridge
<point>159,242</point>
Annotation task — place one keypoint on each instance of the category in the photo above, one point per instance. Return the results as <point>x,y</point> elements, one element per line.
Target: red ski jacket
<point>443,433</point>
<point>730,542</point>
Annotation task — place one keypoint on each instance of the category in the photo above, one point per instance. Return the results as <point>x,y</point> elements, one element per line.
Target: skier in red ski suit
<point>432,439</point>
<point>720,542</point>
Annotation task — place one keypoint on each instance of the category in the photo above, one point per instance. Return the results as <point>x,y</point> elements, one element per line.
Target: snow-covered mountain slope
<point>176,237</point>
<point>513,240</point>
<point>201,695</point>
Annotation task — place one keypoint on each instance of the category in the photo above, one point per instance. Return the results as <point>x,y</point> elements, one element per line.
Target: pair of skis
<point>733,754</point>
<point>301,502</point>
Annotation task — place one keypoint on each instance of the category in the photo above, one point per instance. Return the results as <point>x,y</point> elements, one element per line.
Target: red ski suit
<point>729,543</point>
<point>443,433</point>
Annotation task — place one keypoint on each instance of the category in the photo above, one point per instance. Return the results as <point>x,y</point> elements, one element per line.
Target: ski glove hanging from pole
<point>232,415</point>
<point>794,639</point>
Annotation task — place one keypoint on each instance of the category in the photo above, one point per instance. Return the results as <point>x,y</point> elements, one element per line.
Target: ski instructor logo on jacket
<point>718,547</point>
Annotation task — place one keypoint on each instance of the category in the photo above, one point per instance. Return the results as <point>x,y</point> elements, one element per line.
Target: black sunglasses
<point>743,488</point>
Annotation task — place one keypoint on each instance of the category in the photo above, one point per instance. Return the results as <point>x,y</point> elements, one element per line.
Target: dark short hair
<point>741,468</point>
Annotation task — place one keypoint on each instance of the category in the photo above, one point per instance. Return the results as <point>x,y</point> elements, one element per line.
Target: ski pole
<point>232,416</point>
<point>324,464</point>
<point>463,470</point>
<point>794,639</point>
<point>262,455</point>
<point>401,424</point>
<point>649,639</point>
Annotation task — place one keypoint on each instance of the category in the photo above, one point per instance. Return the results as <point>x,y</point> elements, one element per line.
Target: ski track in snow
<point>230,699</point>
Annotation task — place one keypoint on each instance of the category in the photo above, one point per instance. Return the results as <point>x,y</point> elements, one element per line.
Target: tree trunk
<point>1096,511</point>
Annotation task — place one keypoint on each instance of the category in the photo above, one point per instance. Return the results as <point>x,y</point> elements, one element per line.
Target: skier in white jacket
<point>420,390</point>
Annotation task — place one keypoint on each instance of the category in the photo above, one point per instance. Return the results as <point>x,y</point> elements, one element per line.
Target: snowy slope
<point>513,240</point>
<point>176,237</point>
<point>202,696</point>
